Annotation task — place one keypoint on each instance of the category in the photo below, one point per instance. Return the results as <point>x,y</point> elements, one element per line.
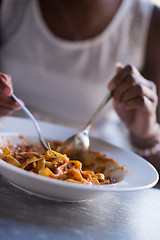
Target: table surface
<point>126,215</point>
<point>114,216</point>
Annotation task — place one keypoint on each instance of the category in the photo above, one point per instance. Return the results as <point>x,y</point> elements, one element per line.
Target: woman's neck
<point>78,20</point>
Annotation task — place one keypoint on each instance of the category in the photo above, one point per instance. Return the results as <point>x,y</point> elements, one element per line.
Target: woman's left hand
<point>135,100</point>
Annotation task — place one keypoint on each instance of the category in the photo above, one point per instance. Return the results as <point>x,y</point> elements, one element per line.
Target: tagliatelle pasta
<point>55,165</point>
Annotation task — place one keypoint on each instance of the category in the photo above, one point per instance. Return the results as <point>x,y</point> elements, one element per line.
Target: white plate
<point>143,174</point>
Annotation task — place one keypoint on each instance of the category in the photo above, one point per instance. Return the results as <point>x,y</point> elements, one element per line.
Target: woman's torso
<point>66,80</point>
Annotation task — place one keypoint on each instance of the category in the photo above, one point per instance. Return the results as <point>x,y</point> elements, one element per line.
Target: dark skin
<point>135,96</point>
<point>72,21</point>
<point>151,69</point>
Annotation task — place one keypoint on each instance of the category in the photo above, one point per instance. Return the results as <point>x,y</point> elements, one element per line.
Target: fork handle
<point>106,98</point>
<point>32,117</point>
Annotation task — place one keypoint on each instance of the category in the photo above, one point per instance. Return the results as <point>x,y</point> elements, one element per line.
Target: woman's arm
<point>136,97</point>
<point>151,69</point>
<point>150,148</point>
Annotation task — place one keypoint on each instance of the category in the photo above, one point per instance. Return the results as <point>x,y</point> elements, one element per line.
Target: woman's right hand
<point>7,103</point>
<point>135,100</point>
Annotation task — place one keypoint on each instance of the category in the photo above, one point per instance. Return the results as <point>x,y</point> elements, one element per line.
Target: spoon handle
<point>33,119</point>
<point>106,98</point>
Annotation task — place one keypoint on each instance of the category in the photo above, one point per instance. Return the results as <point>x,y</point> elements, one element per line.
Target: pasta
<point>56,165</point>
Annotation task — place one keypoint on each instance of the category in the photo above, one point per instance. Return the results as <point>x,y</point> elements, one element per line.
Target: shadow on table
<point>157,185</point>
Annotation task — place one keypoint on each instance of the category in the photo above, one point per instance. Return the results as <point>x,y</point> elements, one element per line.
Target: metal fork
<point>25,109</point>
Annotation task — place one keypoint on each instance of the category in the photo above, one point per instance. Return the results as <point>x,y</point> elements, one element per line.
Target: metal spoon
<point>33,119</point>
<point>80,142</point>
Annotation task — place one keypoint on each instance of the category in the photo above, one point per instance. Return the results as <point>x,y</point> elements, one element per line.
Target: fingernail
<point>119,65</point>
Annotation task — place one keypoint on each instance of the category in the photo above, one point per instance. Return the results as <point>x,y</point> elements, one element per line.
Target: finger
<point>8,79</point>
<point>135,71</point>
<point>149,84</point>
<point>5,83</point>
<point>142,80</point>
<point>128,83</point>
<point>5,112</point>
<point>10,107</point>
<point>8,103</point>
<point>132,88</point>
<point>143,87</point>
<point>139,91</point>
<point>140,103</point>
<point>119,77</point>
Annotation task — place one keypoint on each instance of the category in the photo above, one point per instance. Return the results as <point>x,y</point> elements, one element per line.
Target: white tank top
<point>65,80</point>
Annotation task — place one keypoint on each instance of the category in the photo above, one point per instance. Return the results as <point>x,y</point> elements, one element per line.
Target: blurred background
<point>156,2</point>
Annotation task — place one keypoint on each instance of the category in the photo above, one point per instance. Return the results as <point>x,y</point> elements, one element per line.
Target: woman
<point>61,54</point>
